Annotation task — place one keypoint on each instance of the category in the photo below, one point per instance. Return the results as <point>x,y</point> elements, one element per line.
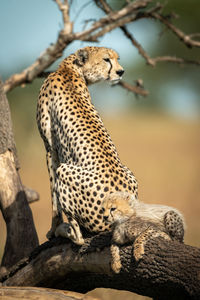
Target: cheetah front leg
<point>71,231</point>
<point>56,208</point>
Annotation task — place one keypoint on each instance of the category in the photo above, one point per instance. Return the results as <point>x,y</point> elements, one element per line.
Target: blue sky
<point>28,27</point>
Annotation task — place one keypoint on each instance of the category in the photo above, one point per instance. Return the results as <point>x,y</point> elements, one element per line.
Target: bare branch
<point>141,51</point>
<point>31,195</point>
<point>114,19</point>
<point>47,57</point>
<point>134,89</point>
<point>111,21</point>
<point>174,59</point>
<point>152,61</point>
<point>64,8</point>
<point>185,38</point>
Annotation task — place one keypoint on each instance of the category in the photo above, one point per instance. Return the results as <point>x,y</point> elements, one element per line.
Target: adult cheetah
<point>82,160</point>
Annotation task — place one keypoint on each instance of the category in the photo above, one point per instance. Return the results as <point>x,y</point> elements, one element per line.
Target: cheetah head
<point>99,63</point>
<point>118,207</point>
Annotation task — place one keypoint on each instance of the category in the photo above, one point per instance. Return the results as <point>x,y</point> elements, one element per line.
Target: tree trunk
<point>21,234</point>
<point>167,269</point>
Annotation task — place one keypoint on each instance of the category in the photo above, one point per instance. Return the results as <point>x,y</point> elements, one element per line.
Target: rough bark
<point>167,270</point>
<point>13,203</point>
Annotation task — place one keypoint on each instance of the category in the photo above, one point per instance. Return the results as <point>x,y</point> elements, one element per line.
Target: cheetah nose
<point>105,218</point>
<point>120,72</point>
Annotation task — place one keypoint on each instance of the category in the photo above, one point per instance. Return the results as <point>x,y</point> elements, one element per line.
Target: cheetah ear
<point>82,56</point>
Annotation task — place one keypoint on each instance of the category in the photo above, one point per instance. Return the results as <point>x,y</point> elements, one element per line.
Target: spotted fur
<point>134,221</point>
<point>83,162</point>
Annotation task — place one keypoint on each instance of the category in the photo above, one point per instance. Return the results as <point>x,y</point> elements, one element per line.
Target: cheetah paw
<point>50,234</point>
<point>67,231</point>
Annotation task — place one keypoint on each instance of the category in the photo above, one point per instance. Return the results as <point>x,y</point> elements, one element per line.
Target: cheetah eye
<point>107,59</point>
<point>113,209</point>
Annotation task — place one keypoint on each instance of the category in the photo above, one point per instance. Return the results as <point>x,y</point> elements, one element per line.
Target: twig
<point>186,39</point>
<point>174,59</point>
<point>141,50</point>
<point>153,61</point>
<point>134,89</point>
<point>113,20</point>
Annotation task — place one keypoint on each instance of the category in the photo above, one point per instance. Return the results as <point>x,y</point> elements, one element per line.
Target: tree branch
<point>64,8</point>
<point>65,38</point>
<point>185,38</point>
<point>13,202</point>
<point>30,293</point>
<point>154,13</point>
<point>167,269</point>
<point>134,89</point>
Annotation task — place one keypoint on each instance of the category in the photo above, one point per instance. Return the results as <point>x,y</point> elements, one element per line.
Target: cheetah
<point>135,221</point>
<point>82,160</point>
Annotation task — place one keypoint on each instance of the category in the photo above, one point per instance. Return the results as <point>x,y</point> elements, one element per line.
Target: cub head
<point>118,207</point>
<point>99,63</point>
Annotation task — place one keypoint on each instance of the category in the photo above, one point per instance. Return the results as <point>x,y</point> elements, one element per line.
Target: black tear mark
<point>109,69</point>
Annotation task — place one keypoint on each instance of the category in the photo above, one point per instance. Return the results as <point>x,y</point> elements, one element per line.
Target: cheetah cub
<point>135,221</point>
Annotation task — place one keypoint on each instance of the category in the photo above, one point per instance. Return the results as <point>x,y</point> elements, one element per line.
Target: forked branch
<point>156,14</point>
<point>113,19</point>
<point>66,37</point>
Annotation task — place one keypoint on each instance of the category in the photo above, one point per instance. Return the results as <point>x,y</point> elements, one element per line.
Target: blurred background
<point>157,137</point>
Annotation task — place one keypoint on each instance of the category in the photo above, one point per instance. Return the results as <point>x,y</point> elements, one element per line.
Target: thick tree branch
<point>167,269</point>
<point>13,202</point>
<point>31,195</point>
<point>31,293</point>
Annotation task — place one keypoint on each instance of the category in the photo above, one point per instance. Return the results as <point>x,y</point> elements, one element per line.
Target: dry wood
<point>31,293</point>
<point>167,269</point>
<point>21,234</point>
